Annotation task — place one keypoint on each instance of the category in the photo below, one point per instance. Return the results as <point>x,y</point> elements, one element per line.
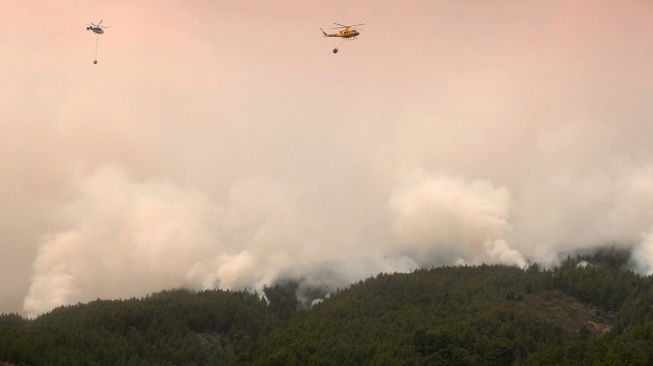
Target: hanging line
<point>96,41</point>
<point>336,49</point>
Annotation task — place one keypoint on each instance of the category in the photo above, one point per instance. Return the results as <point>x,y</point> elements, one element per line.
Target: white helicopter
<point>346,31</point>
<point>96,28</point>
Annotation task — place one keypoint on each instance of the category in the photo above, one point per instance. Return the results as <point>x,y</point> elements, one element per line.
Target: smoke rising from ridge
<point>447,220</point>
<point>227,152</point>
<point>120,237</point>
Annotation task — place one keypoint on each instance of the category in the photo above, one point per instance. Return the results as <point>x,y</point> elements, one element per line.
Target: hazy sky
<point>222,143</point>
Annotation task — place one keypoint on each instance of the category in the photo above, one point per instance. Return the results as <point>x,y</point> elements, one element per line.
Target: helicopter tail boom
<point>328,35</point>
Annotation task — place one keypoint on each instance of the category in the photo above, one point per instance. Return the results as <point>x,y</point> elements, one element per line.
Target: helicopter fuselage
<point>97,30</point>
<point>345,33</point>
<point>348,33</point>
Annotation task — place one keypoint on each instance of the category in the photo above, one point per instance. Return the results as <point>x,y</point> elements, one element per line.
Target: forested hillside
<point>585,312</point>
<point>589,310</point>
<point>167,328</point>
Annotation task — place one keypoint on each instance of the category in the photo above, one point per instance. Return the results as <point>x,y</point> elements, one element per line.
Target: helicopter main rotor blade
<point>346,26</point>
<point>100,22</point>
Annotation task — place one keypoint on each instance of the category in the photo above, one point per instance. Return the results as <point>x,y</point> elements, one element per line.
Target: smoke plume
<point>227,152</point>
<point>444,220</point>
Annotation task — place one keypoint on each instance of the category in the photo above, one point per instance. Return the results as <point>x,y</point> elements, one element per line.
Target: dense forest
<point>589,310</point>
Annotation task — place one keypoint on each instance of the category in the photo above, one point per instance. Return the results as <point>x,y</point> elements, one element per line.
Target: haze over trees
<point>588,310</point>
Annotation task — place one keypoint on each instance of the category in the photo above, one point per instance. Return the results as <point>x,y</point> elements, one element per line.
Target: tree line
<point>590,309</point>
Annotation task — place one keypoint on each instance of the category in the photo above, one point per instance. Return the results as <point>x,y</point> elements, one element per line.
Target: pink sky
<point>226,138</point>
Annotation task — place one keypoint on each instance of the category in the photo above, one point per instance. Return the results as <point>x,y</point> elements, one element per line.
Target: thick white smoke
<point>120,237</point>
<point>610,204</point>
<point>444,220</point>
<point>639,200</point>
<point>642,256</point>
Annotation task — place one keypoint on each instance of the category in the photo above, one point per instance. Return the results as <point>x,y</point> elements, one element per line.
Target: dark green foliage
<point>595,314</point>
<point>483,315</point>
<point>171,327</point>
<point>451,315</point>
<point>283,300</point>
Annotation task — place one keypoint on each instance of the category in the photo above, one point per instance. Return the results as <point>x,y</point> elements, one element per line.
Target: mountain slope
<point>594,313</point>
<point>486,315</point>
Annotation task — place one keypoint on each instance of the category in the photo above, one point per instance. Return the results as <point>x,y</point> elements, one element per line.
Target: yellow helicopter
<point>346,31</point>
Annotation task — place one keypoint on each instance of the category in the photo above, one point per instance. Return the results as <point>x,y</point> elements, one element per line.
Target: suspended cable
<point>335,50</point>
<point>96,42</point>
